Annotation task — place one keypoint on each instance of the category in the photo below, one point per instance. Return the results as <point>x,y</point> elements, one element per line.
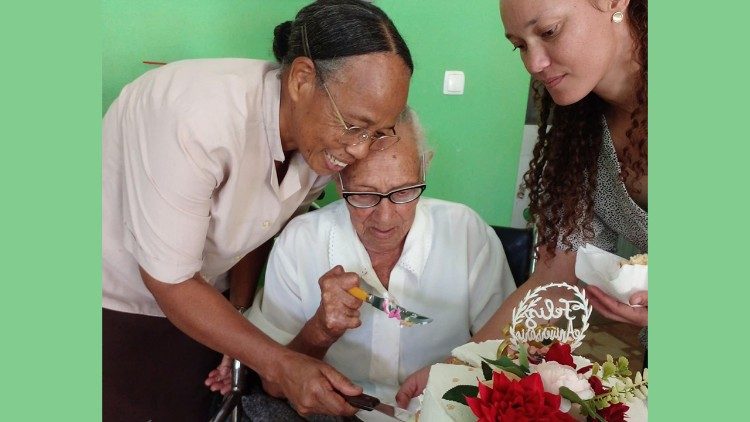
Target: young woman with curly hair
<point>587,180</point>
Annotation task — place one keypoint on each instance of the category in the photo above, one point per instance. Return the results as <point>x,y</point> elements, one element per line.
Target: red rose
<point>584,369</point>
<point>522,400</point>
<point>560,353</point>
<point>597,386</point>
<point>614,412</point>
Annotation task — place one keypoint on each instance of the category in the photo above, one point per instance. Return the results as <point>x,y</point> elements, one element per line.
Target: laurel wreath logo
<point>526,312</point>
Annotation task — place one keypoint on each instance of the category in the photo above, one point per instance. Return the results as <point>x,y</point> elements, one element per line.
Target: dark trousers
<point>151,371</point>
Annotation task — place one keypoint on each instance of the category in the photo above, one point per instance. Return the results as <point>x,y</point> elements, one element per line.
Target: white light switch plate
<point>453,84</point>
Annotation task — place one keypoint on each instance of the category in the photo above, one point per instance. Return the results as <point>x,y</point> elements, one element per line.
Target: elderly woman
<point>203,162</point>
<point>437,258</point>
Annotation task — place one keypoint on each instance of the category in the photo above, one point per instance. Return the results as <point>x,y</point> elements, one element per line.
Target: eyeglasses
<point>351,135</point>
<point>371,199</point>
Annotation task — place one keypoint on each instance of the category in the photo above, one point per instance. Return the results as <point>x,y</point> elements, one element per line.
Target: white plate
<point>602,269</point>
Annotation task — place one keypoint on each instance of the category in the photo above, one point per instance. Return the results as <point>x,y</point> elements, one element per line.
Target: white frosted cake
<point>535,373</point>
<point>444,376</point>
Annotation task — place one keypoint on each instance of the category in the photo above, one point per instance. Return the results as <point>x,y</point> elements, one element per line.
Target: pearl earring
<point>617,17</point>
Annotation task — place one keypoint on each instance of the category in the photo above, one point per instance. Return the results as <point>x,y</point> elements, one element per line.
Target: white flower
<point>555,375</point>
<point>580,362</point>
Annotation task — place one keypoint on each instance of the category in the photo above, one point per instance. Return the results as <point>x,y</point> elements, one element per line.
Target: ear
<point>301,79</point>
<point>618,5</point>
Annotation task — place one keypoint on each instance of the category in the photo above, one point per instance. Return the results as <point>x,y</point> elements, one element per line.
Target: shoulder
<point>201,85</point>
<point>202,72</point>
<point>212,108</point>
<point>312,227</point>
<point>453,213</point>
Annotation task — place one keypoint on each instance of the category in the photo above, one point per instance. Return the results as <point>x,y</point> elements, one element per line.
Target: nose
<point>536,59</point>
<point>385,209</point>
<point>359,151</point>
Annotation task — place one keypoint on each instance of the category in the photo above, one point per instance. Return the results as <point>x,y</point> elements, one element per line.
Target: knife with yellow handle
<point>405,317</point>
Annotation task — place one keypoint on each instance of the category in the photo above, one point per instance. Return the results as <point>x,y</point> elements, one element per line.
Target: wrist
<point>321,337</point>
<point>268,367</point>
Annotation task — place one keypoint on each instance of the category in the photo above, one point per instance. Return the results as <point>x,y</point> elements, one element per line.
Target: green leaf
<point>487,371</point>
<point>507,365</point>
<point>571,395</point>
<point>622,362</point>
<point>523,356</point>
<point>608,369</point>
<point>586,408</point>
<point>459,393</point>
<point>502,361</point>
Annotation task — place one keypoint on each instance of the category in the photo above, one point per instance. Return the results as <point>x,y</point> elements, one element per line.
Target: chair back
<point>518,245</point>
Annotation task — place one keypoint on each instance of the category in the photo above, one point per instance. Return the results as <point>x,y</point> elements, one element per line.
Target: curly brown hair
<point>563,169</point>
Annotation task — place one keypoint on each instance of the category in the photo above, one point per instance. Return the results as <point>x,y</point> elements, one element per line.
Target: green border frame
<point>50,109</point>
<point>697,111</point>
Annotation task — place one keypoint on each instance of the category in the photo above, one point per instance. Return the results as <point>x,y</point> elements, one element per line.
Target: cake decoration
<point>532,371</point>
<point>530,312</point>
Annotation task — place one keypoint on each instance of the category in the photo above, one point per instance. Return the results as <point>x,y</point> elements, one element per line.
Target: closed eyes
<point>550,32</point>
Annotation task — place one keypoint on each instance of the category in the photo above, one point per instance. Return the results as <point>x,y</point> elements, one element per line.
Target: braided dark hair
<point>337,29</point>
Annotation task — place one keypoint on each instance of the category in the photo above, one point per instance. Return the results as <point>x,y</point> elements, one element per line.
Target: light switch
<point>453,83</point>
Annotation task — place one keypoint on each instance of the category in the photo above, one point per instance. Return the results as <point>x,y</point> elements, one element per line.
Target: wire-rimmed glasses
<point>351,135</point>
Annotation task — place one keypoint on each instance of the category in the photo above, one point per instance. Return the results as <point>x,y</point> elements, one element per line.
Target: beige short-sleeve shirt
<point>188,177</point>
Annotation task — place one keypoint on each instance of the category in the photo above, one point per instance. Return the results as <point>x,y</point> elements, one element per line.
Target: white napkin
<point>602,269</point>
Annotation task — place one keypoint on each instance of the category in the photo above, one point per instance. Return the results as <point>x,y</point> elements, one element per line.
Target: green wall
<point>476,136</point>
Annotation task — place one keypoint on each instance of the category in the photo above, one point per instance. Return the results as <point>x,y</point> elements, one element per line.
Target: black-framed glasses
<point>371,199</point>
<point>350,135</point>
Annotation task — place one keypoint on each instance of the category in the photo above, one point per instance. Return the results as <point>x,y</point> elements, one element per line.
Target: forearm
<point>557,268</point>
<point>312,341</point>
<point>502,317</point>
<point>244,276</point>
<point>202,313</point>
<point>338,312</point>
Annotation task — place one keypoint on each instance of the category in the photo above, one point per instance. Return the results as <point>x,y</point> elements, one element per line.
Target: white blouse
<point>452,269</point>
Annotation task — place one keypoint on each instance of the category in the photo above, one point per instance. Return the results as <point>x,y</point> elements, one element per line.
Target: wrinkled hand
<point>311,386</point>
<point>615,310</point>
<point>338,310</point>
<point>220,379</point>
<point>413,386</point>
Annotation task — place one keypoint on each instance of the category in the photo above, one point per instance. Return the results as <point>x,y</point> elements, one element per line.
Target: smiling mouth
<point>336,164</point>
<point>553,82</point>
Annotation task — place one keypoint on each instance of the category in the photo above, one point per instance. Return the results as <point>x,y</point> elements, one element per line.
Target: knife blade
<point>394,412</point>
<point>405,317</point>
<point>370,403</point>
